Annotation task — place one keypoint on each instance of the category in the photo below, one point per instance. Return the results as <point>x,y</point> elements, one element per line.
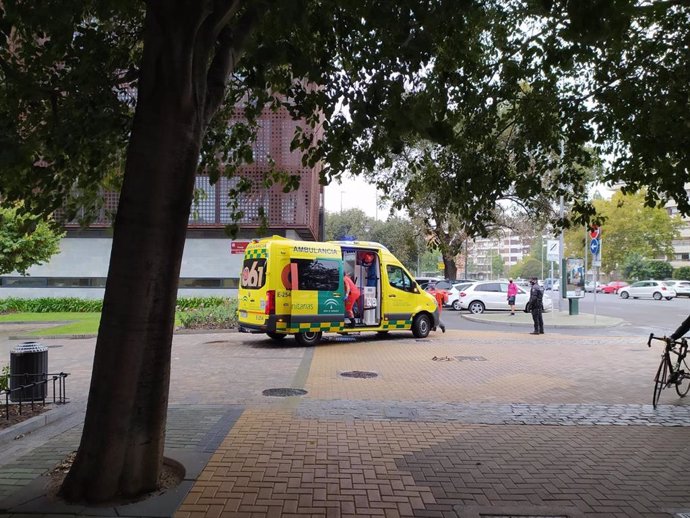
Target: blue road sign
<point>594,246</point>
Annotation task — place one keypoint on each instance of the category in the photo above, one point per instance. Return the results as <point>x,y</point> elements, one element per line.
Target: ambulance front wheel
<point>308,339</point>
<point>276,336</point>
<point>421,326</point>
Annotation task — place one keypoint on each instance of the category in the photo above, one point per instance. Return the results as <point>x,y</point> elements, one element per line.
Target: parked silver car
<point>656,290</point>
<point>493,295</point>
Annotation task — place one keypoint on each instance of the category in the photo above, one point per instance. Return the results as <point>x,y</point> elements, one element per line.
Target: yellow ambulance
<point>296,287</point>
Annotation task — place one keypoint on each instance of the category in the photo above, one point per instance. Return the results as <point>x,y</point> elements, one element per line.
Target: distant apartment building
<point>212,261</point>
<point>511,246</point>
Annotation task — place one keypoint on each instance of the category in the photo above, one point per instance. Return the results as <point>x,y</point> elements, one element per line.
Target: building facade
<point>510,246</point>
<point>212,261</point>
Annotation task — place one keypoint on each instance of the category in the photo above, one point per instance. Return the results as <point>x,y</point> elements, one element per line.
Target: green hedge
<point>75,305</point>
<point>50,305</point>
<point>189,303</point>
<point>218,317</point>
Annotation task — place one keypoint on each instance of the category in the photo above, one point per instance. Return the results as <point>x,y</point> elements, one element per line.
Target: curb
<point>30,425</point>
<point>79,337</point>
<point>612,322</point>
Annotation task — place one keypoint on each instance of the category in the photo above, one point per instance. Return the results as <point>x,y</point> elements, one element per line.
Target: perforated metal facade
<point>297,210</point>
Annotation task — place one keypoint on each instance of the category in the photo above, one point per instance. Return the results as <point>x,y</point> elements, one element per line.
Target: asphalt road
<point>640,316</point>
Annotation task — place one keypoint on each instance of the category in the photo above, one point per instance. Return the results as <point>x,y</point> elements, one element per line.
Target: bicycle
<point>668,373</point>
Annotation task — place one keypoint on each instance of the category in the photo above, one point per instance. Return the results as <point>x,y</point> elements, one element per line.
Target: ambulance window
<point>398,278</point>
<point>253,274</point>
<point>317,274</point>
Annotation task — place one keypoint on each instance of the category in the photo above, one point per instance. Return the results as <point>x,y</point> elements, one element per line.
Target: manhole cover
<point>284,392</point>
<point>359,374</point>
<point>343,339</point>
<point>471,358</point>
<point>400,413</point>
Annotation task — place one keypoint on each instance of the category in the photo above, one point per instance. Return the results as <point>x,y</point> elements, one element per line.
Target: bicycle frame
<point>669,373</point>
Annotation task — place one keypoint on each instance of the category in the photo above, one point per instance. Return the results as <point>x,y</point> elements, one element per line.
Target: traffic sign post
<point>552,250</point>
<point>594,246</point>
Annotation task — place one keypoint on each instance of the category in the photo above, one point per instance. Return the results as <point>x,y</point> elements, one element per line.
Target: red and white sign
<point>594,231</point>
<point>238,247</point>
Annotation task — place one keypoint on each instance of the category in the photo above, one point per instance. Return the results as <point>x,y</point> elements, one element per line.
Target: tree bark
<point>450,268</point>
<point>121,448</point>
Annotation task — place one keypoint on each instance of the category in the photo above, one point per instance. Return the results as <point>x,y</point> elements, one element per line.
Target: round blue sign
<point>594,246</point>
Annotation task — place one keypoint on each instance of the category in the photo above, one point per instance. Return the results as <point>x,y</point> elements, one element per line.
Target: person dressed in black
<point>536,306</point>
<point>682,329</point>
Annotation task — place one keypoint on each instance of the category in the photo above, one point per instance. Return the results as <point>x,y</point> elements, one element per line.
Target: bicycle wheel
<point>683,385</point>
<point>659,381</point>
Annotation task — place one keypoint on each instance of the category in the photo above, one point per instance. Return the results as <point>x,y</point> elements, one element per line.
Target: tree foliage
<point>629,227</point>
<point>528,267</point>
<point>682,273</point>
<point>660,269</point>
<point>366,78</point>
<point>25,240</point>
<point>397,234</point>
<point>348,224</point>
<point>635,267</point>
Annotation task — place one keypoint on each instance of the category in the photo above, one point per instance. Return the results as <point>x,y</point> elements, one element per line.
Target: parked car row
<point>480,296</point>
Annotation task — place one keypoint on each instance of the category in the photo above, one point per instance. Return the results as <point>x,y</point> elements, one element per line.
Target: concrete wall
<point>89,257</point>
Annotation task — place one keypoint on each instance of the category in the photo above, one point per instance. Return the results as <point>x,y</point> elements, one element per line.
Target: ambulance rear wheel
<point>276,336</point>
<point>421,326</point>
<point>308,339</point>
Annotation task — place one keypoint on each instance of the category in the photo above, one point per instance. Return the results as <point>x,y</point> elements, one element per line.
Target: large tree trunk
<point>121,449</point>
<point>450,268</point>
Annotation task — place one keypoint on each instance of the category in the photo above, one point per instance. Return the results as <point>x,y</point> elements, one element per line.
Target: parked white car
<point>682,288</point>
<point>656,290</point>
<point>589,287</point>
<point>493,295</point>
<point>454,294</point>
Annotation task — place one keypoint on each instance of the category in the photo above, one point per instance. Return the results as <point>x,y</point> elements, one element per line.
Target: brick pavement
<point>511,425</point>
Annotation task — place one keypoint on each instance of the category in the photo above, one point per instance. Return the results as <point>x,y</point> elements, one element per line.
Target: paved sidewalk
<point>461,424</point>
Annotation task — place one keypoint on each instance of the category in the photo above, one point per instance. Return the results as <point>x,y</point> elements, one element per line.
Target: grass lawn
<point>75,323</point>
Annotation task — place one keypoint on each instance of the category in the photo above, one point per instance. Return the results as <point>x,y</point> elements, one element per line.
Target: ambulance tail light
<point>271,302</point>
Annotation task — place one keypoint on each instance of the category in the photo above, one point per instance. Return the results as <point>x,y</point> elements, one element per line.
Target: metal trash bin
<point>28,364</point>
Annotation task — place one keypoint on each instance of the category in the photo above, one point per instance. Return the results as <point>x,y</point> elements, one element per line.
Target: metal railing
<point>27,391</point>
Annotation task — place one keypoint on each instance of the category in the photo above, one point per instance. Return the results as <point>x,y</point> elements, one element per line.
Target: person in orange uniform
<point>441,298</point>
<point>351,296</point>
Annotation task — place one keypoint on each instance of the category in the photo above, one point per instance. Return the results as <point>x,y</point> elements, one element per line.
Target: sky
<point>353,194</point>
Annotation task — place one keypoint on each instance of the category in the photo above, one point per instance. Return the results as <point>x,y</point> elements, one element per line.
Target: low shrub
<point>75,305</point>
<point>189,303</point>
<point>218,317</point>
<point>5,377</point>
<point>50,305</point>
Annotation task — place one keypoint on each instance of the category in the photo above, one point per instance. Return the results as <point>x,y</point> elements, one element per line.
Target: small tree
<point>660,269</point>
<point>352,222</point>
<point>682,273</point>
<point>529,267</point>
<point>635,267</point>
<point>497,265</point>
<point>25,240</point>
